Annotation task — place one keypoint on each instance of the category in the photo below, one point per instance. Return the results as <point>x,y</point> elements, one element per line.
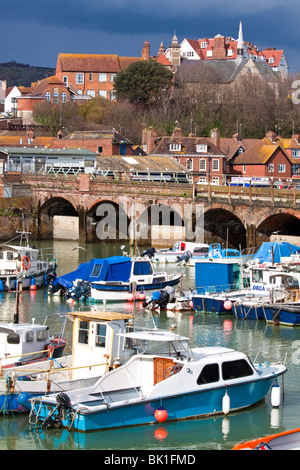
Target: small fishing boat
<point>173,383</point>
<point>286,440</point>
<point>96,349</point>
<point>266,284</point>
<point>181,251</point>
<point>276,254</point>
<point>116,278</point>
<point>25,265</point>
<point>218,254</point>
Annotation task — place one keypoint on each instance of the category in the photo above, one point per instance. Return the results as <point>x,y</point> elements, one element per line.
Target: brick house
<point>102,142</point>
<point>198,154</point>
<point>264,159</point>
<point>94,74</point>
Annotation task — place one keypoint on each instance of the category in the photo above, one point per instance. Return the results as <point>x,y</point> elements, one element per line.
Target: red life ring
<point>26,262</point>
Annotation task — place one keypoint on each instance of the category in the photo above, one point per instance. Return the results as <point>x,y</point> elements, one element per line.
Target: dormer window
<point>204,44</point>
<point>209,53</point>
<point>175,147</point>
<point>271,60</point>
<point>201,148</point>
<point>230,52</point>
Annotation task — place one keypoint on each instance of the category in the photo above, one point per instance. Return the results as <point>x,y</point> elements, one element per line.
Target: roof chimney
<point>215,137</point>
<point>177,132</point>
<point>146,51</point>
<point>272,136</point>
<point>296,137</point>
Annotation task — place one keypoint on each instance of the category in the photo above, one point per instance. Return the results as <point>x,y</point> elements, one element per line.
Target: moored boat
<point>117,278</point>
<point>181,250</point>
<point>25,265</point>
<point>286,440</point>
<point>218,254</point>
<point>96,349</point>
<point>176,383</point>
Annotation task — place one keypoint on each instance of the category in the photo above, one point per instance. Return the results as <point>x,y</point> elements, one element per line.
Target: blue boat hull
<point>209,304</point>
<point>248,312</point>
<point>282,315</point>
<point>184,406</point>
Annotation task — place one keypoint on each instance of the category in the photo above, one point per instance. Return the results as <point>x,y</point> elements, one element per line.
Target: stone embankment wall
<point>13,211</point>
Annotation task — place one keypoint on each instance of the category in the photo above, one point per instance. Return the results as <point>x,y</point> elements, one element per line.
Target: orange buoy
<point>142,296</point>
<point>161,414</point>
<point>130,297</point>
<point>227,304</point>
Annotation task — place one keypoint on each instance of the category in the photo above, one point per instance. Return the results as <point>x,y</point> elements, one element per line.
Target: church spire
<point>240,43</point>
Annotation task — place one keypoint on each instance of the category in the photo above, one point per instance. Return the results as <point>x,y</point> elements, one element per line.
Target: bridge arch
<point>282,223</point>
<point>55,207</point>
<point>106,220</point>
<point>223,226</point>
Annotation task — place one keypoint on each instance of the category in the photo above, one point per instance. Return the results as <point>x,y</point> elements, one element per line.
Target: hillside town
<point>210,158</point>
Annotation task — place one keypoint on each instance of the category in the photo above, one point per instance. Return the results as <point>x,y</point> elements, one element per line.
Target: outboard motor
<point>184,257</point>
<point>161,298</point>
<point>63,405</point>
<point>150,252</point>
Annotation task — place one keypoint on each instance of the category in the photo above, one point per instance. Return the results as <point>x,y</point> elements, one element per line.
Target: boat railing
<point>261,352</point>
<point>18,356</point>
<point>47,255</point>
<point>219,289</point>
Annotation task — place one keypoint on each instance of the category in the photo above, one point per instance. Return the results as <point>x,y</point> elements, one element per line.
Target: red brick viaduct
<point>241,216</point>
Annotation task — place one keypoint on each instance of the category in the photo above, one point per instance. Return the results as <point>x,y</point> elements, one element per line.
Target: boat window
<point>83,334</point>
<point>292,282</point>
<point>96,270</point>
<point>236,369</point>
<point>29,336</point>
<point>100,335</point>
<point>41,335</point>
<point>257,275</point>
<point>28,254</point>
<point>201,250</point>
<point>1,254</point>
<point>209,374</point>
<point>13,338</point>
<point>142,268</point>
<point>9,255</point>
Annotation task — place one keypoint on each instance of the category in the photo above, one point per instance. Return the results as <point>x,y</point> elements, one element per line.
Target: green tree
<point>143,83</point>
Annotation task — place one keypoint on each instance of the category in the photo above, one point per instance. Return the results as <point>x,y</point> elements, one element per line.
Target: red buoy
<point>227,304</point>
<point>161,414</point>
<point>130,297</point>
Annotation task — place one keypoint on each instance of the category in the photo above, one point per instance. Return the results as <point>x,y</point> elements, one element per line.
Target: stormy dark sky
<point>34,31</point>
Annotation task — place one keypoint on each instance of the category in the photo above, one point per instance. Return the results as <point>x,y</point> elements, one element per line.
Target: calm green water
<point>207,330</point>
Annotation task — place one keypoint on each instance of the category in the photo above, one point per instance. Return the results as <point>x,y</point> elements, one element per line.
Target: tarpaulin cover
<point>115,268</point>
<point>280,249</point>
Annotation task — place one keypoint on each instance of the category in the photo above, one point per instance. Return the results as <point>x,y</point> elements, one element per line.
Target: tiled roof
<point>43,84</point>
<point>21,141</point>
<point>274,54</point>
<point>94,62</point>
<point>140,163</point>
<point>188,146</point>
<point>97,135</point>
<point>259,153</point>
<point>222,71</point>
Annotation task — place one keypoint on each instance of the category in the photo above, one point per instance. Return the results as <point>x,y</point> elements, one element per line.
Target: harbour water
<point>217,433</point>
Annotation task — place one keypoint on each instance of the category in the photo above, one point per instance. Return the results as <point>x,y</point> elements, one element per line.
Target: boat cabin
<point>270,280</point>
<point>96,342</point>
<point>17,341</point>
